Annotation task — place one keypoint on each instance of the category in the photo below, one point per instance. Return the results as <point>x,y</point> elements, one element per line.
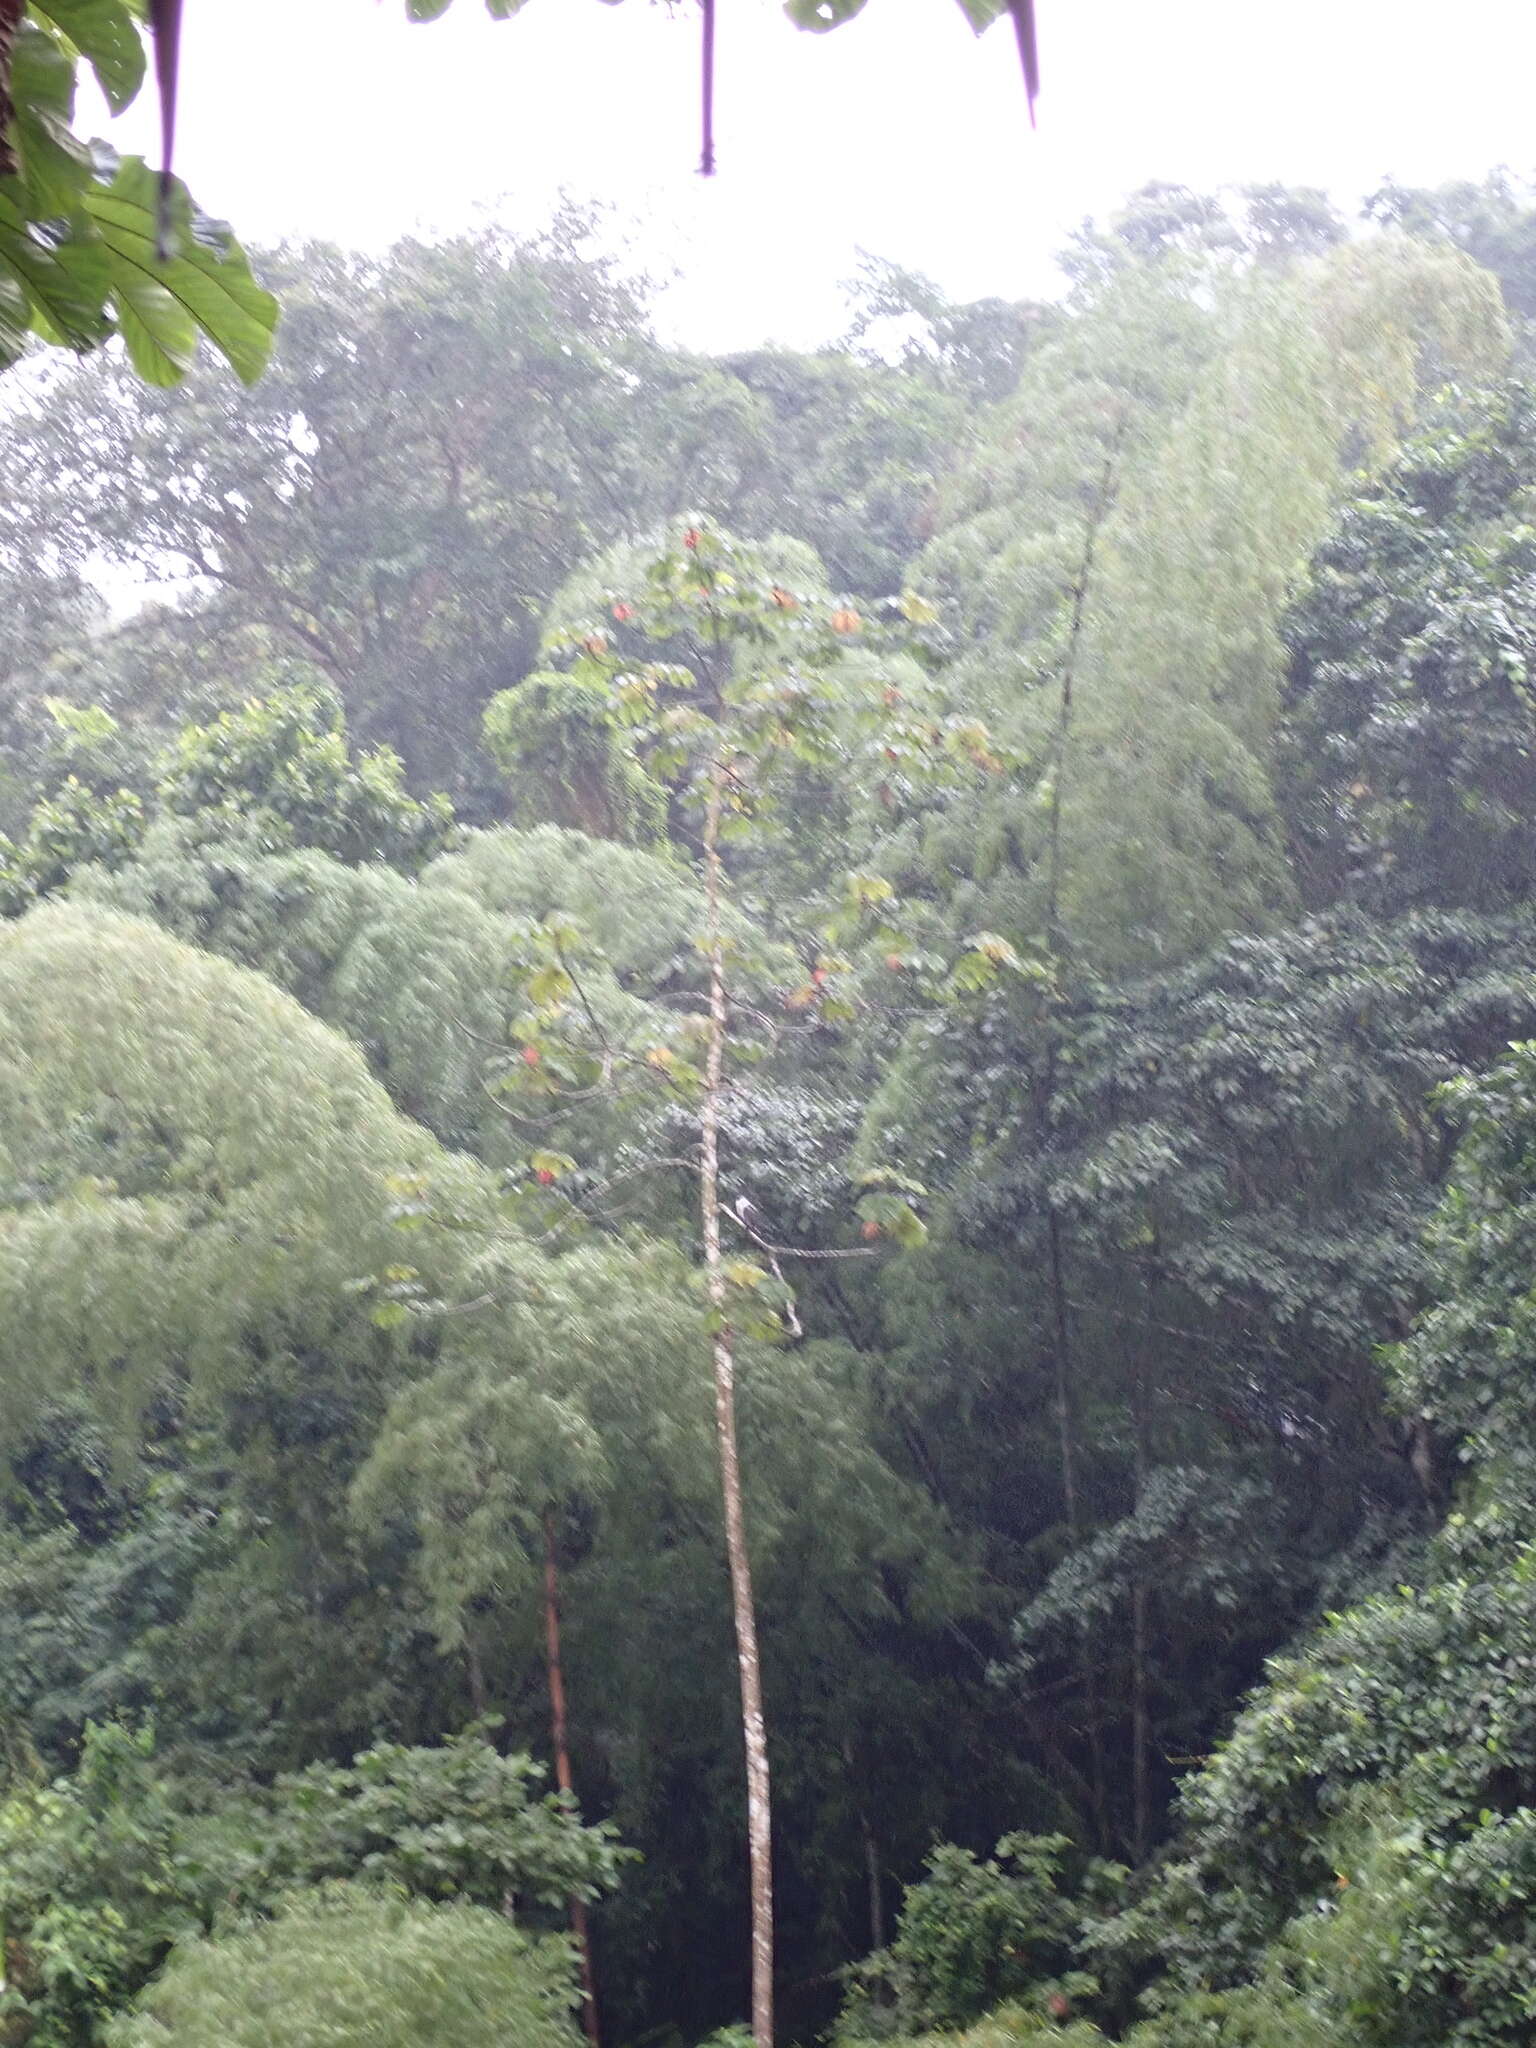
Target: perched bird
<point>750,1217</point>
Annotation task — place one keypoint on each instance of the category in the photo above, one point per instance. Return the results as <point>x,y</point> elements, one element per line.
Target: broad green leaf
<point>916,609</point>
<point>888,1177</point>
<point>553,1163</point>
<point>909,1229</point>
<point>158,331</point>
<point>207,287</point>
<point>65,277</point>
<point>982,13</point>
<point>744,1273</point>
<point>106,35</point>
<point>55,164</point>
<point>894,1217</point>
<point>85,724</point>
<point>821,15</point>
<point>549,985</point>
<point>993,947</point>
<point>867,890</point>
<point>14,318</point>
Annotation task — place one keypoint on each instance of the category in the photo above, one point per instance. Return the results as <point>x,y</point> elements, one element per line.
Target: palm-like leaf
<point>90,247</point>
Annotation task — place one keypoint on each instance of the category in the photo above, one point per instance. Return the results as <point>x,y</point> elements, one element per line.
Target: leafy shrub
<point>101,1873</point>
<point>284,759</point>
<point>1261,2016</point>
<point>345,1968</point>
<point>277,773</point>
<point>973,1933</point>
<point>95,1885</point>
<point>454,1822</point>
<point>1035,2024</point>
<point>74,827</point>
<point>1264,2016</point>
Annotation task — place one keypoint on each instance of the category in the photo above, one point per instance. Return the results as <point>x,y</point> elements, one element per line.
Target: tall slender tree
<point>722,678</point>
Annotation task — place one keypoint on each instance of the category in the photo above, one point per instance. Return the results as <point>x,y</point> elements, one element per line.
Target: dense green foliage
<point>974,1933</point>
<point>275,773</point>
<point>488,413</point>
<point>1119,716</point>
<point>351,1971</point>
<point>105,1870</point>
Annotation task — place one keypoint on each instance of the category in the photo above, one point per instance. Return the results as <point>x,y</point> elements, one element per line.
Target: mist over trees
<point>798,1067</point>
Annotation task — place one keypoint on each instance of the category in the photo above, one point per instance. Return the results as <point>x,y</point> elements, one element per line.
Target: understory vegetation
<point>930,945</point>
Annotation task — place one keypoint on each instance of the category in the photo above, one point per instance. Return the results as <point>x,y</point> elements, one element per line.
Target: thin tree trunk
<point>1141,1728</point>
<point>1141,1725</point>
<point>1141,1716</point>
<point>753,1725</point>
<point>876,1891</point>
<point>871,1858</point>
<point>1066,1440</point>
<point>1066,1448</point>
<point>560,1741</point>
<point>475,1672</point>
<point>1092,1698</point>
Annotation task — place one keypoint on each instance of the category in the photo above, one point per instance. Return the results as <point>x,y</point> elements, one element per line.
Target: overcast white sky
<point>900,133</point>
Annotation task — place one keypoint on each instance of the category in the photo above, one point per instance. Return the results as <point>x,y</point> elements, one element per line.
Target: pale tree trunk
<point>560,1742</point>
<point>753,1726</point>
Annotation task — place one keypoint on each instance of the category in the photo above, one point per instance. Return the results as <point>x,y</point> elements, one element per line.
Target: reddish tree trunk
<point>560,1741</point>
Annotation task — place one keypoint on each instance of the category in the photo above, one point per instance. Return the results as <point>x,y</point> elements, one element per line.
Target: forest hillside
<point>930,944</point>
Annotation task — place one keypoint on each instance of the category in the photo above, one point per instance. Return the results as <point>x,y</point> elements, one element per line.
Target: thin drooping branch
<point>165,23</point>
<point>1023,12</point>
<point>754,1726</point>
<point>707,92</point>
<point>1098,512</point>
